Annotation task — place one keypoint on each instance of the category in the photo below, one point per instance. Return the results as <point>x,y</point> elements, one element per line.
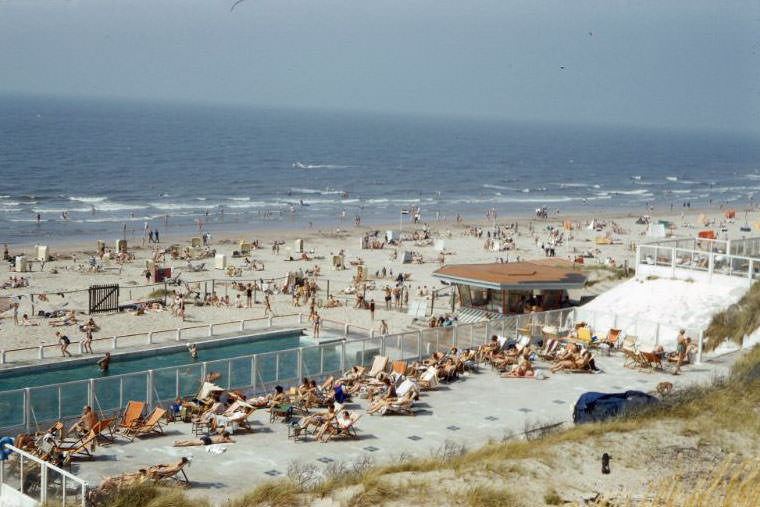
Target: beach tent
<point>592,407</point>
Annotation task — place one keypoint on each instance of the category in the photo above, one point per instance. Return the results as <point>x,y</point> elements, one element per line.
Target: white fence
<point>46,484</point>
<point>699,258</point>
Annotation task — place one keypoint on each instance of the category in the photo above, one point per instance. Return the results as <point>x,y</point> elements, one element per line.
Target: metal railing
<point>671,258</point>
<point>110,343</point>
<point>33,408</point>
<point>37,479</point>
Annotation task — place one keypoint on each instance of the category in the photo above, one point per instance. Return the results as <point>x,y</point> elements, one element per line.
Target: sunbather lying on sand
<point>224,438</point>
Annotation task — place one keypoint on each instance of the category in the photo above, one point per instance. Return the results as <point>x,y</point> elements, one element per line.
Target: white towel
<point>216,449</point>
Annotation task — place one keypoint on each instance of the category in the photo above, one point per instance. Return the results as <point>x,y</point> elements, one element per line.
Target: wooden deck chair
<point>151,425</point>
<point>79,449</point>
<point>429,379</point>
<point>650,361</point>
<point>327,384</point>
<point>132,413</point>
<point>403,406</point>
<point>612,338</point>
<point>179,475</point>
<point>345,431</point>
<point>584,335</point>
<point>632,358</point>
<point>378,365</point>
<point>549,350</point>
<point>399,367</point>
<point>103,429</point>
<point>629,342</point>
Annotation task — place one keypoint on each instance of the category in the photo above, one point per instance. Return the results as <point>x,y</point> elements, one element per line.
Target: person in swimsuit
<point>224,438</point>
<point>105,362</point>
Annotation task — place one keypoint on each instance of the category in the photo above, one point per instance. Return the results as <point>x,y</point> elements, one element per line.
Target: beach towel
<point>216,449</point>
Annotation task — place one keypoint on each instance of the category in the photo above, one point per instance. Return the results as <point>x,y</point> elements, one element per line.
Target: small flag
<point>404,211</point>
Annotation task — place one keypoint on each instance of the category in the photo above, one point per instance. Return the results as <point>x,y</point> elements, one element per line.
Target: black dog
<point>605,463</point>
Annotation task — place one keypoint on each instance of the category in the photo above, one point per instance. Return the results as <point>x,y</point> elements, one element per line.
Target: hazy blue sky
<point>683,63</point>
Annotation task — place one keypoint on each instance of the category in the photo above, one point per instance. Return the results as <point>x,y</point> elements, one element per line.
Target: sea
<point>76,169</point>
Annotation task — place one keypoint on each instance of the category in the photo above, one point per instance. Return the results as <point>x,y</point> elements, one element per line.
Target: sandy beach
<point>461,243</point>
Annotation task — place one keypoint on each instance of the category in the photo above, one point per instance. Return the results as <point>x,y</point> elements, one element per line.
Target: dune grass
<point>736,321</point>
<point>725,405</point>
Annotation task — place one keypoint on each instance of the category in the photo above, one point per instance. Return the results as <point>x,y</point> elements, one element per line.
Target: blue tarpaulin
<point>592,407</point>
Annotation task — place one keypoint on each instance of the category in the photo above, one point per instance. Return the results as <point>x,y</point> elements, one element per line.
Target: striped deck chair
<point>378,365</point>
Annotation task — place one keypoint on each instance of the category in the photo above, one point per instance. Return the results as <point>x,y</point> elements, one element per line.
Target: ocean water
<point>108,165</point>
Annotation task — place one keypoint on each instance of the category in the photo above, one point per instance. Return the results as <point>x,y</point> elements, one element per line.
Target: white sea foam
<point>60,210</point>
<point>240,198</point>
<point>87,199</point>
<point>115,206</point>
<point>671,178</point>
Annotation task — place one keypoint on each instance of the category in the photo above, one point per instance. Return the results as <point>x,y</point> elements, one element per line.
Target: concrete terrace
<point>471,411</point>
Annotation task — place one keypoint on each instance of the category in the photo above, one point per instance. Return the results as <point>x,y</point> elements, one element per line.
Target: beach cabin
<point>515,287</point>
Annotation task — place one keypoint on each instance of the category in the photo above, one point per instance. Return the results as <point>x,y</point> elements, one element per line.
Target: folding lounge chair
<point>176,475</point>
<point>429,379</point>
<point>399,367</point>
<point>152,424</point>
<point>378,365</point>
<point>612,338</point>
<point>132,414</point>
<point>79,449</point>
<point>550,349</point>
<point>347,431</point>
<point>103,429</point>
<point>650,361</point>
<point>403,406</point>
<point>632,358</point>
<point>629,342</point>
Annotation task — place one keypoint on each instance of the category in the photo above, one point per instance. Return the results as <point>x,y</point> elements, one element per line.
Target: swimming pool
<point>60,390</point>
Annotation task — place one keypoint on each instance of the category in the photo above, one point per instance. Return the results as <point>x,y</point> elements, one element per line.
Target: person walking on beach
<point>87,342</point>
<point>249,296</point>
<point>150,235</point>
<point>15,313</point>
<point>383,328</point>
<point>156,236</point>
<point>268,307</point>
<point>680,351</point>
<point>316,326</point>
<point>372,310</point>
<point>64,341</point>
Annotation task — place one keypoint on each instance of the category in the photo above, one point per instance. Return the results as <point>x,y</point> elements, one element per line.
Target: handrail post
<point>454,336</point>
<point>269,321</point>
<point>149,390</point>
<point>700,345</point>
<point>345,329</point>
<point>419,345</point>
<point>91,392</point>
<point>179,334</point>
<point>203,371</point>
<point>150,337</point>
<point>27,409</point>
<point>342,356</point>
<point>657,334</point>
<point>242,325</point>
<point>114,344</point>
<point>300,363</point>
<point>254,365</point>
<point>322,361</point>
<point>43,484</point>
<point>80,347</point>
<point>300,318</point>
<point>2,357</point>
<point>211,330</point>
<point>42,352</point>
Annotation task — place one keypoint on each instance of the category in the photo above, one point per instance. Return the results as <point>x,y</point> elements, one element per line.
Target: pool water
<point>68,373</point>
<point>52,397</point>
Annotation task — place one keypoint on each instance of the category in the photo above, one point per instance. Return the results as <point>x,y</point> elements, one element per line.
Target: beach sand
<point>60,275</point>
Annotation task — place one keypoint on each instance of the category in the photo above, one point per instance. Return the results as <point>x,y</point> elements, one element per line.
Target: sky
<point>653,63</point>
